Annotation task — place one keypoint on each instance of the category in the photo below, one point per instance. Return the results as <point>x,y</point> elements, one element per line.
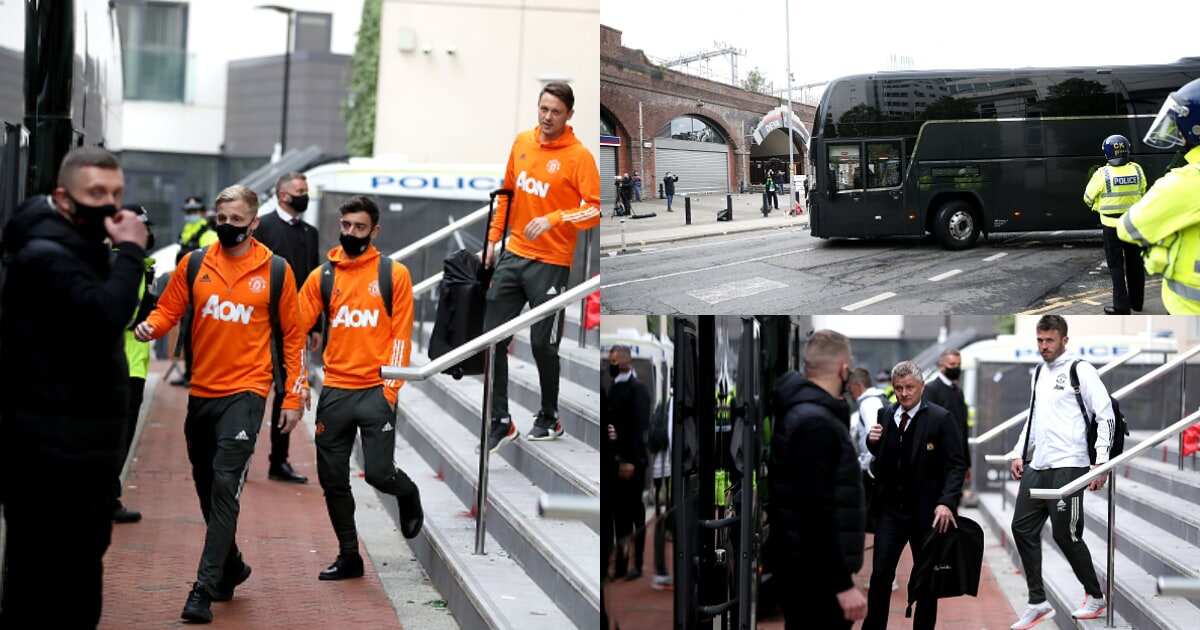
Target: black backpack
<point>385,289</point>
<point>279,267</point>
<point>1120,428</point>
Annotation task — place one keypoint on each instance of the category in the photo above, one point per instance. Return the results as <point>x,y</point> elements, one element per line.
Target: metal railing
<point>1175,586</point>
<point>486,342</point>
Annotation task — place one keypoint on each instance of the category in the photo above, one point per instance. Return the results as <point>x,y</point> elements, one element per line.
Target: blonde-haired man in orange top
<point>367,301</point>
<point>556,194</point>
<point>230,297</point>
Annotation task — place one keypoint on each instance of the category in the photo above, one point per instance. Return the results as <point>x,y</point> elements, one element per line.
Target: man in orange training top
<point>556,193</point>
<point>367,301</point>
<point>231,374</point>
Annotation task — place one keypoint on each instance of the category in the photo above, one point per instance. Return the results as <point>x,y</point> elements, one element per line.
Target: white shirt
<point>623,376</point>
<point>944,380</point>
<point>869,405</point>
<point>1059,438</point>
<point>912,413</point>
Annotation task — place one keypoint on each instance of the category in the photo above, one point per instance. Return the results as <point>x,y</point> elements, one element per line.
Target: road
<point>789,271</point>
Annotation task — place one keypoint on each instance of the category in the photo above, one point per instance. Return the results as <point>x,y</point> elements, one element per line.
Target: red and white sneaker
<point>1034,614</point>
<point>1092,608</point>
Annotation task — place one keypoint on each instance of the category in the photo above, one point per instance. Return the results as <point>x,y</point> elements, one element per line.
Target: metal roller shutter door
<point>608,170</point>
<point>701,166</point>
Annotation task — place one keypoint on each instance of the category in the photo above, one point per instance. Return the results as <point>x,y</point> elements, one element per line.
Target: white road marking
<point>703,269</point>
<point>943,276</point>
<point>669,249</point>
<point>1090,302</point>
<point>995,257</point>
<point>869,301</point>
<point>737,289</point>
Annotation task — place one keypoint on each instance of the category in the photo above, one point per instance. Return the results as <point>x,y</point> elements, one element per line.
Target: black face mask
<point>299,203</point>
<point>953,373</point>
<point>90,219</point>
<point>614,370</point>
<point>231,235</point>
<point>354,246</point>
<point>150,241</point>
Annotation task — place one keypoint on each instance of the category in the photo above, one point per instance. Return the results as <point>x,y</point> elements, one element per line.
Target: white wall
<point>468,106</point>
<point>220,31</point>
<point>1184,329</point>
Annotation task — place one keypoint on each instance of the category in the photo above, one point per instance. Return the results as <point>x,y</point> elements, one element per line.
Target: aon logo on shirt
<point>226,311</point>
<point>355,318</point>
<point>532,186</point>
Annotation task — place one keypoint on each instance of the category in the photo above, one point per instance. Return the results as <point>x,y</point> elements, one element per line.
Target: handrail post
<point>1112,547</point>
<point>481,489</point>
<point>421,335</point>
<point>587,273</point>
<point>1182,408</point>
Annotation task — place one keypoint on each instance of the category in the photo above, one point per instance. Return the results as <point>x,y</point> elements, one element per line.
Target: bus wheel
<point>956,226</point>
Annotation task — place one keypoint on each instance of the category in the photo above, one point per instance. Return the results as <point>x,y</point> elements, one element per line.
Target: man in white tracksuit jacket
<point>1051,454</point>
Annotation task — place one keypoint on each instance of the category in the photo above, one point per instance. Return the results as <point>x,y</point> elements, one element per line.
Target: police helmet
<point>1116,150</point>
<point>1178,121</point>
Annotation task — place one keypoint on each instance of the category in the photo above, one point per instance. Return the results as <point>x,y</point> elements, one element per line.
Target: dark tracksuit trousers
<point>517,281</point>
<point>280,441</point>
<point>1066,519</point>
<point>1125,267</point>
<point>137,389</point>
<point>341,413</point>
<point>220,435</point>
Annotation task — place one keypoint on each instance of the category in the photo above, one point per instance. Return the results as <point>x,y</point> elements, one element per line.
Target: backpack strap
<point>1029,421</point>
<point>327,268</point>
<point>385,283</point>
<point>279,267</point>
<point>1078,394</point>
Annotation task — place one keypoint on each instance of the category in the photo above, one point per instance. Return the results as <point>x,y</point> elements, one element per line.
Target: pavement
<point>634,605</point>
<point>668,227</point>
<point>283,531</point>
<point>787,270</point>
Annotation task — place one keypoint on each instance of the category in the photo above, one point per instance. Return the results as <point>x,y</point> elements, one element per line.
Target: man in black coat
<point>945,392</point>
<point>64,388</point>
<point>918,468</point>
<point>286,234</point>
<point>669,188</point>
<point>628,412</point>
<point>816,511</point>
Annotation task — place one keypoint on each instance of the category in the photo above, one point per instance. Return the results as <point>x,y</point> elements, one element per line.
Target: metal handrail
<point>487,343</point>
<point>1176,586</point>
<point>430,239</point>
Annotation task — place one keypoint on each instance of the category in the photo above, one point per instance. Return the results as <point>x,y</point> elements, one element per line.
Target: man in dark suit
<point>919,467</point>
<point>286,234</point>
<point>945,392</point>
<point>628,413</point>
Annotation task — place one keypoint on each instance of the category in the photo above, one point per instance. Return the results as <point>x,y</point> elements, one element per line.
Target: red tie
<point>903,420</point>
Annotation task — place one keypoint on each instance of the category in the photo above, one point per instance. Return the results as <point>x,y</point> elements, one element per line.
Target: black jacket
<point>297,244</point>
<point>62,319</point>
<point>938,464</point>
<point>627,408</point>
<point>669,184</point>
<point>951,399</point>
<point>816,509</point>
<point>948,565</point>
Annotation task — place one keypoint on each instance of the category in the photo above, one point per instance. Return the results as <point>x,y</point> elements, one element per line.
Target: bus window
<point>845,167</point>
<point>883,164</point>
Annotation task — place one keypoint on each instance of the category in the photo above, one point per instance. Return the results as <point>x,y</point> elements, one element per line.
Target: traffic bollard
<point>687,210</point>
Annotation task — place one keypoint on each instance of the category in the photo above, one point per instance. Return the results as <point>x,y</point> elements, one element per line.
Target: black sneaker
<point>343,568</point>
<point>125,515</point>
<point>231,580</point>
<point>500,433</point>
<point>198,608</point>
<point>181,382</point>
<point>545,427</point>
<point>411,514</point>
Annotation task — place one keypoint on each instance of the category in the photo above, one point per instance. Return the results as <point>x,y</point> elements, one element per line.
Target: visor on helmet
<point>1164,132</point>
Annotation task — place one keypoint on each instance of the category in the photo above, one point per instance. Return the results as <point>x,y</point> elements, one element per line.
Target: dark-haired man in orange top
<point>231,374</point>
<point>362,337</point>
<point>556,194</point>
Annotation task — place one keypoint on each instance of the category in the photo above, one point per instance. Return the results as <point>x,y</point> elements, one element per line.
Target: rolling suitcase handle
<point>507,215</point>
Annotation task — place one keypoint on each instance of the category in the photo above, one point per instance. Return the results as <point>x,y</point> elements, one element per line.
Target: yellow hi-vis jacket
<point>1113,190</point>
<point>137,353</point>
<point>1167,220</point>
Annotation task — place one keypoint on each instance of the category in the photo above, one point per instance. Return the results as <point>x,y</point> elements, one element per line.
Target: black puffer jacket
<point>817,514</point>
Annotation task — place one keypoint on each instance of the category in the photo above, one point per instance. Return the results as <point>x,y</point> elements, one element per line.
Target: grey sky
<point>838,37</point>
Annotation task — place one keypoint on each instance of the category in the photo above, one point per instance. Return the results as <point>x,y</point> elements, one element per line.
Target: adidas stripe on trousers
<point>220,435</point>
<point>341,414</point>
<point>1066,519</point>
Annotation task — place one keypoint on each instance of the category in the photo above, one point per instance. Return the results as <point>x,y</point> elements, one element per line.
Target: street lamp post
<point>287,71</point>
<point>787,24</point>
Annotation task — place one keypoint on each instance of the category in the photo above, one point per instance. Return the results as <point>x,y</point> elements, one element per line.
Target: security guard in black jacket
<point>919,468</point>
<point>945,392</point>
<point>63,388</point>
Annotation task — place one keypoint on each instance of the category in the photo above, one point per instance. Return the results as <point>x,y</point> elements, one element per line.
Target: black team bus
<point>958,153</point>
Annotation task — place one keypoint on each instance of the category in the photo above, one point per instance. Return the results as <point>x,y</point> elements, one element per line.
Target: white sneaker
<point>1034,614</point>
<point>1092,608</point>
<point>662,582</point>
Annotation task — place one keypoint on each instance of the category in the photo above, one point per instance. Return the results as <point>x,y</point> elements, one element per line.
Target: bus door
<point>864,188</point>
<point>883,195</point>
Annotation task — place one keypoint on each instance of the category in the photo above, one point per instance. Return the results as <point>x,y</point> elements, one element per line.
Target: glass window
<point>693,129</point>
<point>1072,94</point>
<point>154,50</point>
<point>607,128</point>
<point>845,166</point>
<point>312,31</point>
<point>883,164</point>
<point>1148,90</point>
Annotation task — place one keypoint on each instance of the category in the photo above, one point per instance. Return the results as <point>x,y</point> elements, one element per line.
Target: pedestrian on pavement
<point>288,235</point>
<point>1111,191</point>
<point>64,388</point>
<point>816,507</point>
<point>919,467</point>
<point>556,196</point>
<point>772,195</point>
<point>944,391</point>
<point>619,210</point>
<point>230,298</point>
<point>137,355</point>
<point>1051,452</point>
<point>629,412</point>
<point>1167,219</point>
<point>664,520</point>
<point>197,232</point>
<point>779,181</point>
<point>669,188</point>
<point>365,332</point>
<point>870,401</point>
<point>626,189</point>
<point>637,186</point>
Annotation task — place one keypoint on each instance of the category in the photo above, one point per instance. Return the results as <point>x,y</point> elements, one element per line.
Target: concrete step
<point>1173,514</point>
<point>1165,477</point>
<point>561,557</point>
<point>1166,451</point>
<point>566,465</point>
<point>579,365</point>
